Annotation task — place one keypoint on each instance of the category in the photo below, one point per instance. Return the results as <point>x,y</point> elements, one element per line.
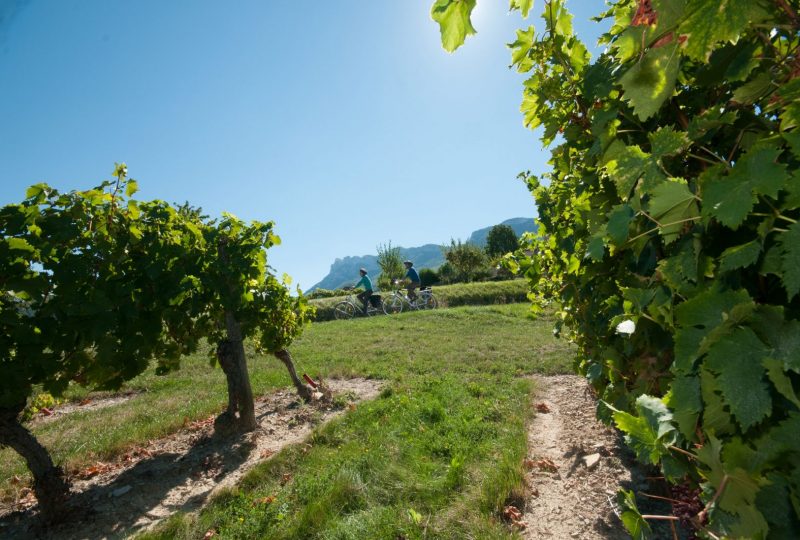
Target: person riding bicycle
<point>414,281</point>
<point>365,282</point>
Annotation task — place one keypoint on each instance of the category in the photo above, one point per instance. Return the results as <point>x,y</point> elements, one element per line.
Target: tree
<point>95,286</point>
<point>467,260</point>
<point>428,277</point>
<point>501,240</point>
<point>391,263</point>
<point>669,234</point>
<point>243,299</point>
<point>87,296</point>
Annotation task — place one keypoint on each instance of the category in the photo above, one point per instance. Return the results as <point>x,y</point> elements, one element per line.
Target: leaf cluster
<point>94,286</point>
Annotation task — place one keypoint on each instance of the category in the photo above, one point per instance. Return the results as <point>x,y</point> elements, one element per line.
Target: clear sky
<point>345,121</point>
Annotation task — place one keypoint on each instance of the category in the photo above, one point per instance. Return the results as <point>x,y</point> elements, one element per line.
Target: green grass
<point>437,455</point>
<point>459,294</point>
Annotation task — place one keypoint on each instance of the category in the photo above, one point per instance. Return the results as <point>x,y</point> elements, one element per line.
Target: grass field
<point>437,454</point>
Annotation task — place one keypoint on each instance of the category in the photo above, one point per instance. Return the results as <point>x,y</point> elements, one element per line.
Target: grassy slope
<point>459,294</point>
<point>437,455</point>
<point>444,442</point>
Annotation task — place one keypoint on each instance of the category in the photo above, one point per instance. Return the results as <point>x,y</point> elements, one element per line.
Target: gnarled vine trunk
<point>303,390</point>
<point>49,485</point>
<point>241,413</point>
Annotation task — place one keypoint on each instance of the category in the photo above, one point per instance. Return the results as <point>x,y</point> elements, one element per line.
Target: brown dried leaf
<point>645,15</point>
<point>94,470</point>
<point>512,513</point>
<point>542,408</point>
<point>545,464</point>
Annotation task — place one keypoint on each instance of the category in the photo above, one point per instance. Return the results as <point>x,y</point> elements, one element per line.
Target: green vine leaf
<point>712,21</point>
<point>625,165</point>
<point>524,6</point>
<point>631,517</point>
<point>672,206</point>
<point>520,49</point>
<point>790,246</point>
<point>781,381</point>
<point>619,220</point>
<point>754,89</point>
<point>667,142</point>
<point>685,400</point>
<point>738,362</point>
<point>454,21</point>
<point>651,80</point>
<point>731,198</point>
<point>651,432</point>
<point>740,256</point>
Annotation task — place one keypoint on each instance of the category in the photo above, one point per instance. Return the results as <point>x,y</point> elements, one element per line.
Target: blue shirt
<point>412,275</point>
<point>366,282</point>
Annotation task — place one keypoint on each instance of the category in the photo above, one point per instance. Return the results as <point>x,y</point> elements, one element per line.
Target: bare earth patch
<point>576,464</point>
<point>180,472</point>
<point>85,405</point>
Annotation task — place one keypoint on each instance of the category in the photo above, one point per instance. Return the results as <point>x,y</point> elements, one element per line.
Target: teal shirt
<point>365,282</point>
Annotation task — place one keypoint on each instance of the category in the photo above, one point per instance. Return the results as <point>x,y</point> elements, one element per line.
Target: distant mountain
<point>345,271</point>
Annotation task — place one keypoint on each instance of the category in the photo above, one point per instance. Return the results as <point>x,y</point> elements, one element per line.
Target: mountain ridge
<point>344,271</point>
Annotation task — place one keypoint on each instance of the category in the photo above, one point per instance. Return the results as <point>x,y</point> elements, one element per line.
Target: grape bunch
<point>687,506</point>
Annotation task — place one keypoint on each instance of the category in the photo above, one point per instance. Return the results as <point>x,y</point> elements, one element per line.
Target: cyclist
<point>414,281</point>
<point>365,282</point>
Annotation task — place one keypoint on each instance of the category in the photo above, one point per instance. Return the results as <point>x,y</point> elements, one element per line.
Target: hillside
<point>344,271</point>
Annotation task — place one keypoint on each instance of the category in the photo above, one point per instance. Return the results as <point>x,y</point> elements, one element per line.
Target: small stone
<point>121,491</point>
<point>591,460</point>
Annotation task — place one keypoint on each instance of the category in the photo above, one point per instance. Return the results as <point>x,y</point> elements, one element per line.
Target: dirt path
<point>577,466</point>
<point>181,471</point>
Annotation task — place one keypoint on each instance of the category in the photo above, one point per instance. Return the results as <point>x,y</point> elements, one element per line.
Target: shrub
<point>467,261</point>
<point>325,293</point>
<point>428,277</point>
<point>391,264</point>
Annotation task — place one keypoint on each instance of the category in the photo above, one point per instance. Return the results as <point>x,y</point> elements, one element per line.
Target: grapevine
<point>669,237</point>
<point>96,286</point>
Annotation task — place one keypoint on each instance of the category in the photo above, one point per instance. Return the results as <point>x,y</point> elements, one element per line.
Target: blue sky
<point>344,122</point>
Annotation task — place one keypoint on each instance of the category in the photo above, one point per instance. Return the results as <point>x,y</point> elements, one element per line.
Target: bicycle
<point>352,306</point>
<point>394,303</point>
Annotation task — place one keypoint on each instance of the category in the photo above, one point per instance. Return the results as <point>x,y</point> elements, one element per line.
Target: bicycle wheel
<point>392,305</point>
<point>426,301</point>
<point>344,310</point>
